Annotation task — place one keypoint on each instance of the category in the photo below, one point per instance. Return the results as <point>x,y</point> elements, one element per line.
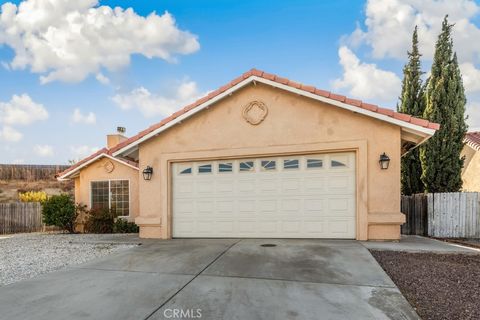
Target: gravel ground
<point>438,286</point>
<point>23,256</point>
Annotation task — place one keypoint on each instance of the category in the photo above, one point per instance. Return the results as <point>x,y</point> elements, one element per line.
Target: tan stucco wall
<point>471,169</point>
<point>96,171</point>
<point>294,124</point>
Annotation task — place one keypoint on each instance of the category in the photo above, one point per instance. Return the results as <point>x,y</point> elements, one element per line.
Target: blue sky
<point>62,90</point>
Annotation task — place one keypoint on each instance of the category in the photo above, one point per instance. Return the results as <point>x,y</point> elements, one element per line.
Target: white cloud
<point>68,40</point>
<point>471,77</point>
<point>21,110</point>
<point>473,112</point>
<point>8,134</point>
<point>88,118</point>
<point>389,25</point>
<point>364,80</point>
<point>80,152</point>
<point>151,104</point>
<point>102,78</point>
<point>43,150</point>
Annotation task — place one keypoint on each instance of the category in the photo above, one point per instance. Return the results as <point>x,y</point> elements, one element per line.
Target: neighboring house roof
<point>411,124</point>
<point>472,139</point>
<point>104,152</point>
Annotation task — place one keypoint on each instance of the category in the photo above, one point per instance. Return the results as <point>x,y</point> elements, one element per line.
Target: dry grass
<point>9,189</point>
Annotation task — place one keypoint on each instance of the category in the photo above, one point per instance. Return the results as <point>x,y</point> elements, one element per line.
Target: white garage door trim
<point>308,196</point>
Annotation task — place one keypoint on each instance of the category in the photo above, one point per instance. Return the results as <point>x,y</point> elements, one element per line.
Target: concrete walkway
<point>419,244</point>
<point>215,279</point>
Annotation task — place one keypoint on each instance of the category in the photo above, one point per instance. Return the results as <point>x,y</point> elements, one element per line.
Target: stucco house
<point>261,157</point>
<point>471,167</point>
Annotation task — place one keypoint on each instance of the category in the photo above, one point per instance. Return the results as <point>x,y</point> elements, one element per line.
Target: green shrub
<point>123,226</point>
<point>60,211</point>
<point>100,221</point>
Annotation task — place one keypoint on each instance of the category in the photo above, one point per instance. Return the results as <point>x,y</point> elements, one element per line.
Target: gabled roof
<point>472,139</point>
<point>104,152</point>
<point>423,128</point>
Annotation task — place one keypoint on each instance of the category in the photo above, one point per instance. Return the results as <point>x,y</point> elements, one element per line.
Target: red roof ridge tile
<point>284,81</point>
<point>103,151</point>
<point>472,138</point>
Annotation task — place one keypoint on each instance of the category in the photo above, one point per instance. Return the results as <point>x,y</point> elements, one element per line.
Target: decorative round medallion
<point>108,166</point>
<point>255,112</point>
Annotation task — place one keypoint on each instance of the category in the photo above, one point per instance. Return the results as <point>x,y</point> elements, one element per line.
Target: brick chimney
<point>114,139</point>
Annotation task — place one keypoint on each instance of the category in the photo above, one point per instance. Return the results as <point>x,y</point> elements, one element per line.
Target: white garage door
<point>311,196</point>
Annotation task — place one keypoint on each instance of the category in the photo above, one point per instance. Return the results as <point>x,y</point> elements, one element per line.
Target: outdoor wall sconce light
<point>384,161</point>
<point>147,173</point>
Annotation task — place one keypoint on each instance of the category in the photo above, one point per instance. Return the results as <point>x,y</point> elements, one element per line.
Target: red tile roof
<point>254,72</point>
<point>473,140</point>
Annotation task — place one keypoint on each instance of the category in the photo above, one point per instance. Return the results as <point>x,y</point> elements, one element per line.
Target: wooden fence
<point>30,172</point>
<point>416,215</point>
<point>444,215</point>
<point>454,215</point>
<point>19,217</point>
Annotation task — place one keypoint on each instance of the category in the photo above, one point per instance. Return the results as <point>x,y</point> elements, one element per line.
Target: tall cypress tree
<point>445,104</point>
<point>412,102</point>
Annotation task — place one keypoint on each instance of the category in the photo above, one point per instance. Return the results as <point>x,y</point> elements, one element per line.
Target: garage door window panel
<point>247,166</point>
<point>291,164</point>
<point>268,165</point>
<point>205,168</point>
<point>338,162</point>
<point>314,163</point>
<point>225,167</point>
<point>184,169</point>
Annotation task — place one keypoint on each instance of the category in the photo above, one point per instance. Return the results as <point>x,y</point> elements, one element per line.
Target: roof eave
<point>70,174</point>
<point>428,132</point>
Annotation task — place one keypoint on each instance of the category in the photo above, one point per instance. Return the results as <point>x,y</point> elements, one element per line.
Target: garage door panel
<point>246,206</point>
<point>185,207</point>
<point>315,183</point>
<point>267,206</point>
<point>226,206</point>
<point>247,186</point>
<point>205,206</point>
<point>224,187</point>
<point>184,189</point>
<point>314,205</point>
<point>291,205</point>
<point>246,227</point>
<point>292,185</point>
<point>291,226</point>
<point>314,227</point>
<point>294,197</point>
<point>267,185</point>
<point>204,187</point>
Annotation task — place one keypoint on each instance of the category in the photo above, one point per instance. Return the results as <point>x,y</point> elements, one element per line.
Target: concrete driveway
<point>215,279</point>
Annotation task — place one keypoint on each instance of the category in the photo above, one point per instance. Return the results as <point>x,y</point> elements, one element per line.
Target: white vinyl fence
<point>454,215</point>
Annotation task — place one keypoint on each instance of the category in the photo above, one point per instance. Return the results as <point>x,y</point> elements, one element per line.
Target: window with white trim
<point>111,194</point>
